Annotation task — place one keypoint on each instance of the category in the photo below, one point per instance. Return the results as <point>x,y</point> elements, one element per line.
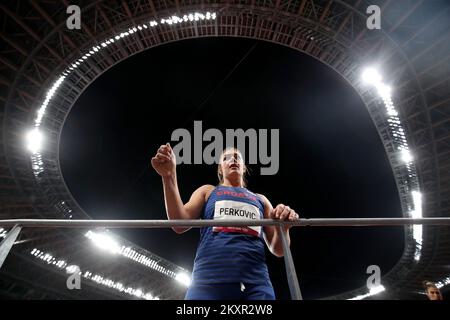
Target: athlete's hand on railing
<point>284,213</point>
<point>164,161</point>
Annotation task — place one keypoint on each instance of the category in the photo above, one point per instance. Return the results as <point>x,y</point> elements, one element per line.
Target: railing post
<point>7,243</point>
<point>294,287</point>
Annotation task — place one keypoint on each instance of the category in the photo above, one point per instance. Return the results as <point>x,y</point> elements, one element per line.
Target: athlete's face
<point>434,294</point>
<point>232,163</point>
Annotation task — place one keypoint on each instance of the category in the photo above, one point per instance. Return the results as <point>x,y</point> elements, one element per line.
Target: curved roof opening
<point>331,160</point>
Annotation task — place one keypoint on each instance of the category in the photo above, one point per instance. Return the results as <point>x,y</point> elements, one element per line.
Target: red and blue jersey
<point>231,254</point>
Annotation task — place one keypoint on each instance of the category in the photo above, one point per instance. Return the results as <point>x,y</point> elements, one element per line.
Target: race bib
<point>236,210</point>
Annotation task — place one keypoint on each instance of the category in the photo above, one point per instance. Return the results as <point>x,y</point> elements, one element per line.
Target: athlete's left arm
<point>271,233</point>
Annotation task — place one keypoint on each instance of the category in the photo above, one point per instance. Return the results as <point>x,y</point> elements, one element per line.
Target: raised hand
<point>164,162</point>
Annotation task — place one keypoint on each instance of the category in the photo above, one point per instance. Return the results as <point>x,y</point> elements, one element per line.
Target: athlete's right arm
<point>164,163</point>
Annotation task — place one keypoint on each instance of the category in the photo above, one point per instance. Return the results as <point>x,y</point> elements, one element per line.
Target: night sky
<point>332,161</point>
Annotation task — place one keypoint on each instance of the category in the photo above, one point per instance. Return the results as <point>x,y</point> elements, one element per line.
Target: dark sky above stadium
<point>332,161</point>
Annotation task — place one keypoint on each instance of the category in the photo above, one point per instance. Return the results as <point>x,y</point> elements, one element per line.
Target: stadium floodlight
<point>417,229</point>
<point>371,76</point>
<point>443,283</point>
<point>183,278</point>
<point>72,268</point>
<point>376,290</point>
<point>392,113</point>
<point>373,291</point>
<point>138,293</point>
<point>104,241</point>
<point>34,140</point>
<point>406,156</point>
<point>61,263</point>
<point>148,296</point>
<point>383,90</point>
<point>417,200</point>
